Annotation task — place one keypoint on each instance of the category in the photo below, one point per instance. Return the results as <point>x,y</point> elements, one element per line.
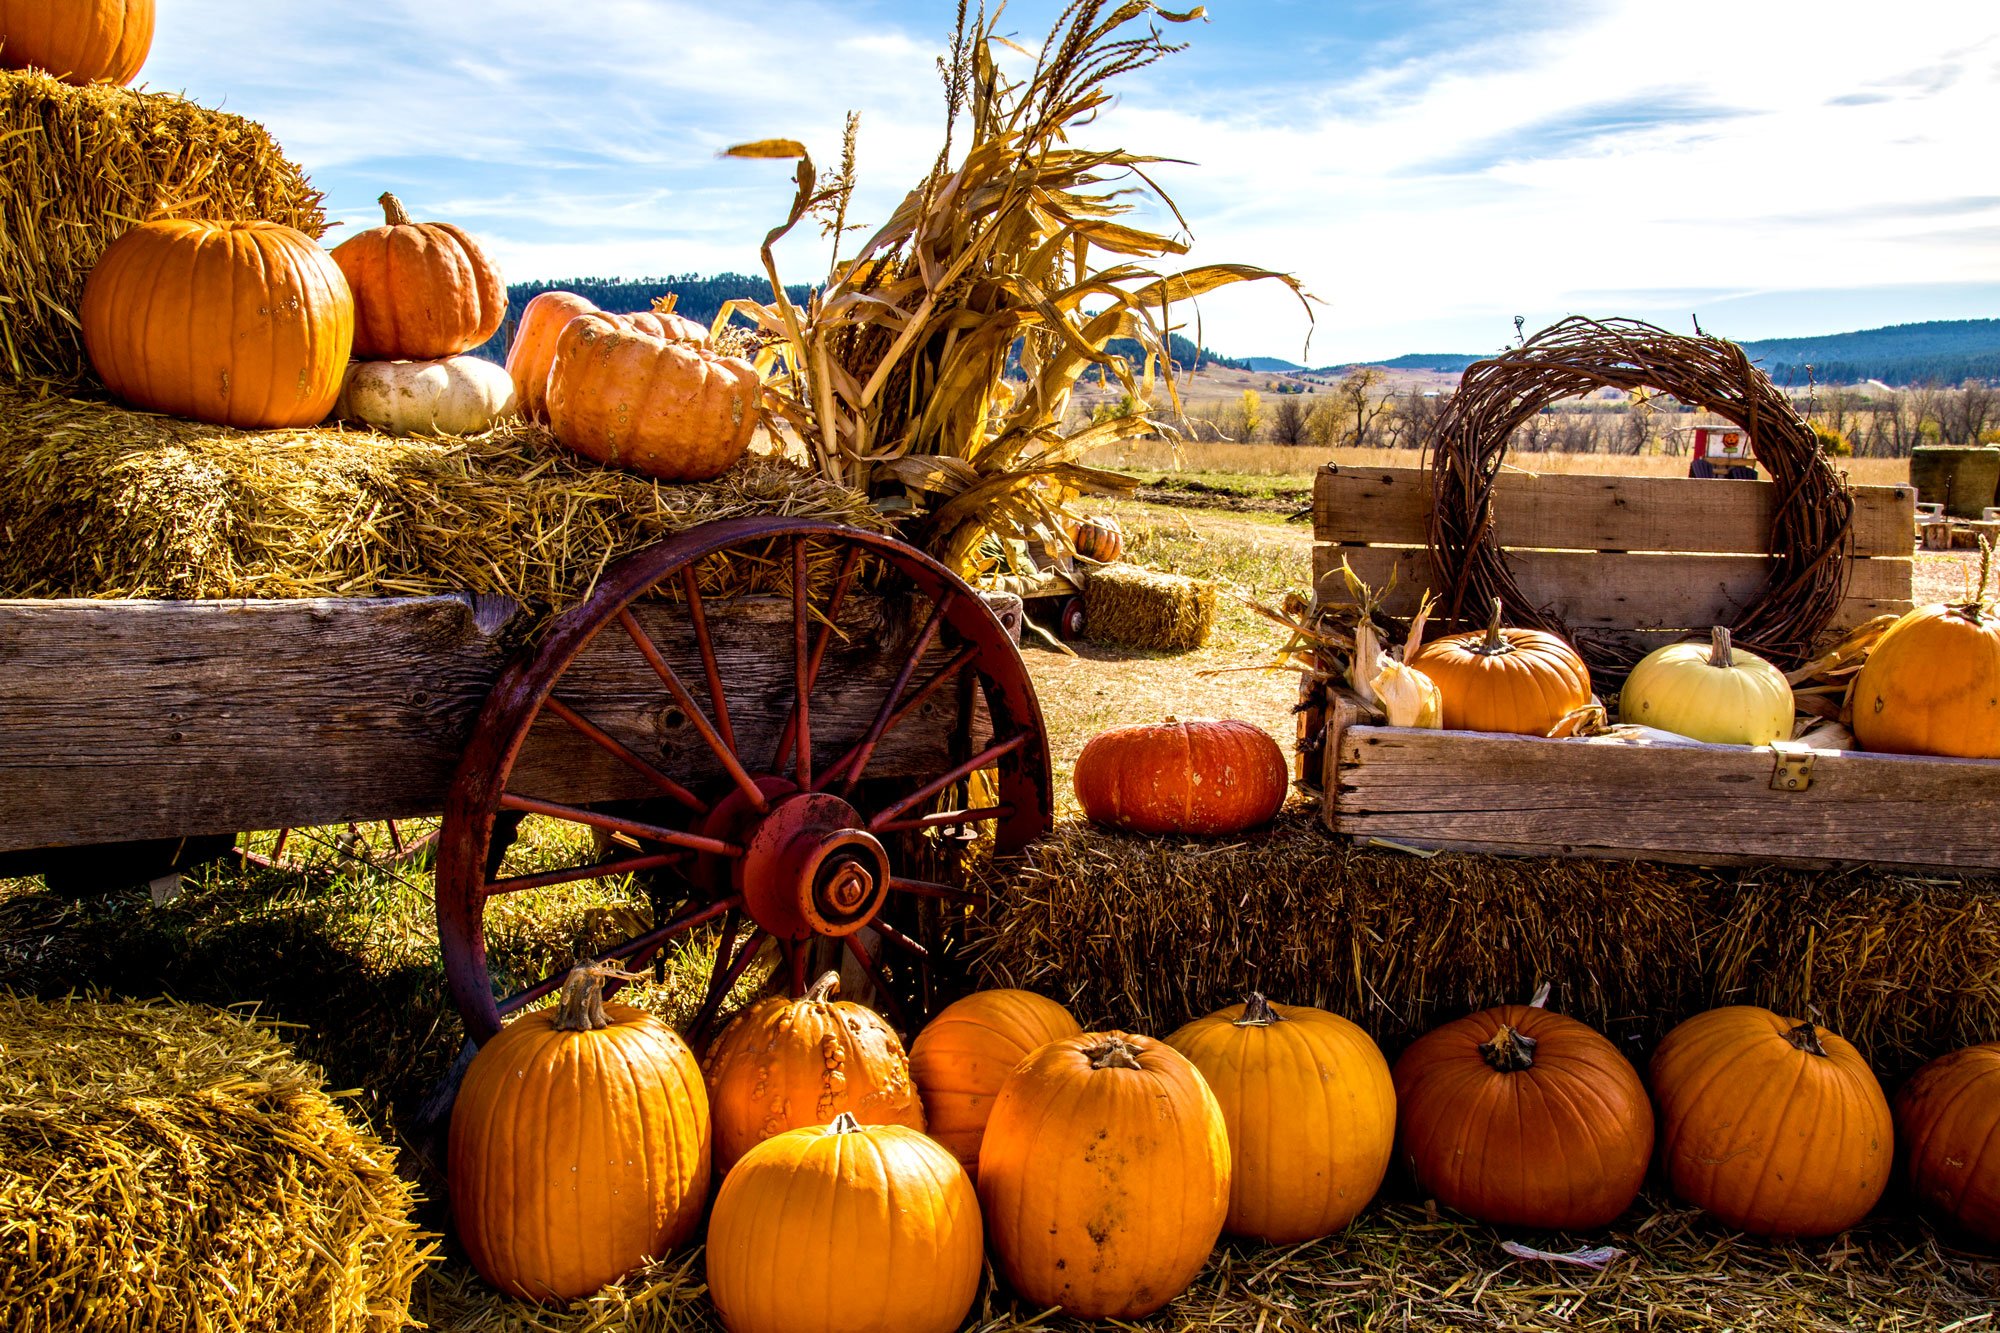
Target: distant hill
<point>1269,364</point>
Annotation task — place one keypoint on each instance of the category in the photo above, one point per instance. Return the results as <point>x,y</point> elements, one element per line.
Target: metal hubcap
<point>812,868</point>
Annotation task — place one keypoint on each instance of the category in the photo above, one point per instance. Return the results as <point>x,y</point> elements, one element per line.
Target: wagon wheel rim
<point>791,845</point>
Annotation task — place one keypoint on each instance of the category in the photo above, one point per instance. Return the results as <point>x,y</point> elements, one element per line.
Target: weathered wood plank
<point>1597,513</point>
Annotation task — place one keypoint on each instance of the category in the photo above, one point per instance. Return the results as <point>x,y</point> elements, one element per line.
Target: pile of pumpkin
<point>861,1189</point>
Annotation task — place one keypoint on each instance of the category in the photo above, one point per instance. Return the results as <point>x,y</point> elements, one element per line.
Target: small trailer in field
<point>799,767</point>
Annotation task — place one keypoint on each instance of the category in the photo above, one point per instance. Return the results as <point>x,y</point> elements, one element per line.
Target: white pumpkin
<point>459,395</point>
<point>1710,692</point>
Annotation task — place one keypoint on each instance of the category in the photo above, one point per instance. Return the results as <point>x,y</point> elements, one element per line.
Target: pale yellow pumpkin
<point>459,395</point>
<point>1709,692</point>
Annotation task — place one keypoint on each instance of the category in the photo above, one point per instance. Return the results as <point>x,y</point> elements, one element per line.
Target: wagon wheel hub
<point>811,867</point>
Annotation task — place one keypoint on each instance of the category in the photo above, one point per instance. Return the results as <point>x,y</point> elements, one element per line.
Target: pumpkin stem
<point>664,305</point>
<point>1114,1052</point>
<point>1975,609</point>
<point>1258,1013</point>
<point>582,1005</point>
<point>1494,643</point>
<point>1719,652</point>
<point>824,989</point>
<point>1806,1037</point>
<point>844,1123</point>
<point>1509,1052</point>
<point>393,210</point>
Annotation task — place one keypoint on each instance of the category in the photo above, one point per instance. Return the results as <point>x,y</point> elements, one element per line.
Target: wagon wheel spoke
<point>638,828</point>
<point>634,951</point>
<point>850,765</point>
<point>801,675</point>
<point>850,565</point>
<point>795,962</point>
<point>946,819</point>
<point>899,939</point>
<point>625,756</point>
<point>722,979</point>
<point>628,865</point>
<point>887,815</point>
<point>897,1014</point>
<point>698,620</point>
<point>725,754</point>
<point>923,888</point>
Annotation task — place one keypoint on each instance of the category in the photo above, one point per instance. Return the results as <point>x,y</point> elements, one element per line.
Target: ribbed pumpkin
<point>1311,1113</point>
<point>1098,538</point>
<point>544,317</point>
<point>459,395</point>
<point>78,41</point>
<point>1775,1126</point>
<point>786,1063</point>
<point>845,1227</point>
<point>1199,775</point>
<point>1502,679</point>
<point>1948,1122</point>
<point>629,396</point>
<point>579,1146</point>
<point>1521,1117</point>
<point>1104,1175</point>
<point>1932,683</point>
<point>243,324</point>
<point>1711,692</point>
<point>422,290</point>
<point>963,1056</point>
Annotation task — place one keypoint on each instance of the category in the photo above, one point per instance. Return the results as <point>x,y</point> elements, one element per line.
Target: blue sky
<point>1430,168</point>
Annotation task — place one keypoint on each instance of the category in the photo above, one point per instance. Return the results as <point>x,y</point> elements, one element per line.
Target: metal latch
<point>1792,771</point>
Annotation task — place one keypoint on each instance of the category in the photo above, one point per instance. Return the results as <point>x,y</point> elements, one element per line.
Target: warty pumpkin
<point>782,1064</point>
<point>1948,1122</point>
<point>1774,1125</point>
<point>1104,1175</point>
<point>459,395</point>
<point>1311,1113</point>
<point>1517,1116</point>
<point>843,1227</point>
<point>422,290</point>
<point>1504,679</point>
<point>1711,692</point>
<point>963,1055</point>
<point>78,41</point>
<point>1198,775</point>
<point>1098,537</point>
<point>628,395</point>
<point>1931,685</point>
<point>579,1146</point>
<point>244,324</point>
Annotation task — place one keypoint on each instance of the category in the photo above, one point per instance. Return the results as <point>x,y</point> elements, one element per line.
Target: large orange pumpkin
<point>1503,679</point>
<point>655,402</point>
<point>963,1056</point>
<point>542,319</point>
<point>1521,1117</point>
<point>1776,1126</point>
<point>1948,1119</point>
<point>236,323</point>
<point>579,1146</point>
<point>422,290</point>
<point>1311,1114</point>
<point>786,1063</point>
<point>1201,775</point>
<point>843,1227</point>
<point>1931,685</point>
<point>1104,1175</point>
<point>78,41</point>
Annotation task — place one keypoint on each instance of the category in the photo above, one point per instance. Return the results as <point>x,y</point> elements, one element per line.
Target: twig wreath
<point>1809,523</point>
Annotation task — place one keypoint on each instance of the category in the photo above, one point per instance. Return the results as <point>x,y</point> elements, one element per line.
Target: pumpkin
<point>1931,685</point>
<point>579,1146</point>
<point>1716,693</point>
<point>78,41</point>
<point>1199,775</point>
<point>422,290</point>
<point>1775,1126</point>
<point>460,395</point>
<point>841,1227</point>
<point>1502,679</point>
<point>1098,538</point>
<point>1948,1119</point>
<point>662,320</point>
<point>243,324</point>
<point>786,1063</point>
<point>535,347</point>
<point>1104,1175</point>
<point>960,1060</point>
<point>629,396</point>
<point>1311,1113</point>
<point>1517,1116</point>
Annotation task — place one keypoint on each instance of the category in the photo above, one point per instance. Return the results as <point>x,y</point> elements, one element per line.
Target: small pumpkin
<point>245,324</point>
<point>1198,775</point>
<point>459,395</point>
<point>79,41</point>
<point>579,1146</point>
<point>1104,1175</point>
<point>629,395</point>
<point>840,1227</point>
<point>786,1063</point>
<point>1948,1121</point>
<point>1098,537</point>
<point>545,316</point>
<point>1311,1113</point>
<point>1517,1116</point>
<point>1931,685</point>
<point>1716,693</point>
<point>1774,1125</point>
<point>1504,679</point>
<point>963,1055</point>
<point>422,290</point>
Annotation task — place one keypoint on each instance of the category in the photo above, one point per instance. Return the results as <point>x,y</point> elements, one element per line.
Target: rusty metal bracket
<point>1792,771</point>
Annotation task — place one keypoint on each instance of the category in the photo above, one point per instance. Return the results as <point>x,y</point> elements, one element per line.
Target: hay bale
<point>80,165</point>
<point>166,1166</point>
<point>98,501</point>
<point>1145,608</point>
<point>1152,931</point>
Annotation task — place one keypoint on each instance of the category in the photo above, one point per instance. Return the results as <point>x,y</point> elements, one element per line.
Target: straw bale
<point>168,1166</point>
<point>98,501</point>
<point>1148,932</point>
<point>1147,608</point>
<point>80,165</point>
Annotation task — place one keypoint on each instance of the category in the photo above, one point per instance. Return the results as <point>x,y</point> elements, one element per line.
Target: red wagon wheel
<point>793,840</point>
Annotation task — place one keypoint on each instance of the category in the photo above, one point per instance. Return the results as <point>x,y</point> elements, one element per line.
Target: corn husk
<point>1407,697</point>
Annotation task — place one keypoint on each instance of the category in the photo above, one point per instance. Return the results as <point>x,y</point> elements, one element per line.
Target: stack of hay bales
<point>165,1166</point>
<point>1146,608</point>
